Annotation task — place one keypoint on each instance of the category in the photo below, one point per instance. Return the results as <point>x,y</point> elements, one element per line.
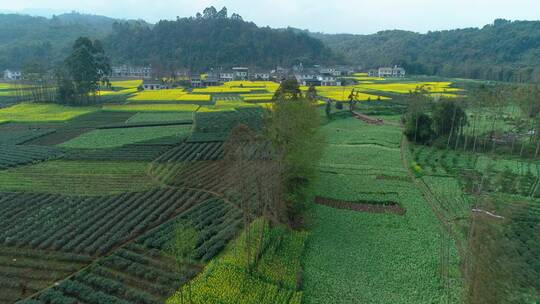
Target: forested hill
<point>213,39</point>
<point>26,38</point>
<point>208,40</point>
<point>504,50</point>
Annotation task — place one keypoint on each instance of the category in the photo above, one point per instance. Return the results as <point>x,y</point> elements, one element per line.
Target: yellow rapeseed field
<point>127,84</point>
<point>257,97</point>
<point>342,93</point>
<point>168,95</point>
<point>222,90</point>
<point>120,92</point>
<point>34,112</point>
<point>404,88</point>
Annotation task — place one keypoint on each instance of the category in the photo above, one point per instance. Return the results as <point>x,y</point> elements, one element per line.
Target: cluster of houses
<point>306,76</point>
<point>321,76</point>
<point>12,75</point>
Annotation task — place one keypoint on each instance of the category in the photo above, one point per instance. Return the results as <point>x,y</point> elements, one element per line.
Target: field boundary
<point>143,125</point>
<point>362,206</point>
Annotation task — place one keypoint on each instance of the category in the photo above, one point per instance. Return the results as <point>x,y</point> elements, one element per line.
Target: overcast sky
<point>329,16</point>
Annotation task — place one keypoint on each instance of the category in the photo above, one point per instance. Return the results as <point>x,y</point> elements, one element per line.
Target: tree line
<point>500,118</point>
<point>502,51</point>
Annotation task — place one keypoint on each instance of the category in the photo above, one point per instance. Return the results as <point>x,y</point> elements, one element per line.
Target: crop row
<point>133,152</point>
<point>16,137</point>
<point>204,137</point>
<point>207,175</point>
<point>13,156</point>
<point>142,272</point>
<point>193,152</point>
<point>88,225</point>
<point>216,222</point>
<point>24,272</point>
<point>224,122</point>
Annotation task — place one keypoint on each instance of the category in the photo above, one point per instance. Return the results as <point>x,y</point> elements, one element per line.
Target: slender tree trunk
<point>451,128</point>
<point>474,133</point>
<point>416,128</point>
<point>459,132</point>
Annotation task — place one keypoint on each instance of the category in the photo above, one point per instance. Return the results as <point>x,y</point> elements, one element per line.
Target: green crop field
<point>389,258</point>
<point>160,117</point>
<point>154,107</point>
<point>77,177</point>
<point>110,138</point>
<point>90,199</point>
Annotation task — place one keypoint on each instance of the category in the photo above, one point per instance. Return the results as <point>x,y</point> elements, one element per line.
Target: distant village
<point>306,76</point>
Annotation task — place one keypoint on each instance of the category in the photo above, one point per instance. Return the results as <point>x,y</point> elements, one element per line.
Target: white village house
<point>240,73</point>
<point>225,76</point>
<point>128,71</point>
<point>12,75</point>
<point>395,72</point>
<point>260,75</point>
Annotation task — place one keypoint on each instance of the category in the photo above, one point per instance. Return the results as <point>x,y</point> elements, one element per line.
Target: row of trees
<point>503,118</point>
<point>268,173</point>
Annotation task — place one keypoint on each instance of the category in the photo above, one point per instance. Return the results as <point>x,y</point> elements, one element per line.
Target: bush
<point>417,169</point>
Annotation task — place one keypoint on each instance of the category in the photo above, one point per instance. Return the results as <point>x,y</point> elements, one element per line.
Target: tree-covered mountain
<point>46,40</point>
<point>212,39</point>
<point>504,50</point>
<point>209,39</point>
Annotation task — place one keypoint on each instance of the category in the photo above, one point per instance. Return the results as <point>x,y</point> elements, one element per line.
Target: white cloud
<point>356,16</point>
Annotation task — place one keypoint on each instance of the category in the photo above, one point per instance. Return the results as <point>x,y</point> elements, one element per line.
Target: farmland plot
<point>19,136</point>
<point>273,278</point>
<point>26,271</point>
<point>77,177</point>
<point>14,155</point>
<point>372,258</point>
<point>110,138</point>
<point>91,225</point>
<point>143,272</point>
<point>30,112</point>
